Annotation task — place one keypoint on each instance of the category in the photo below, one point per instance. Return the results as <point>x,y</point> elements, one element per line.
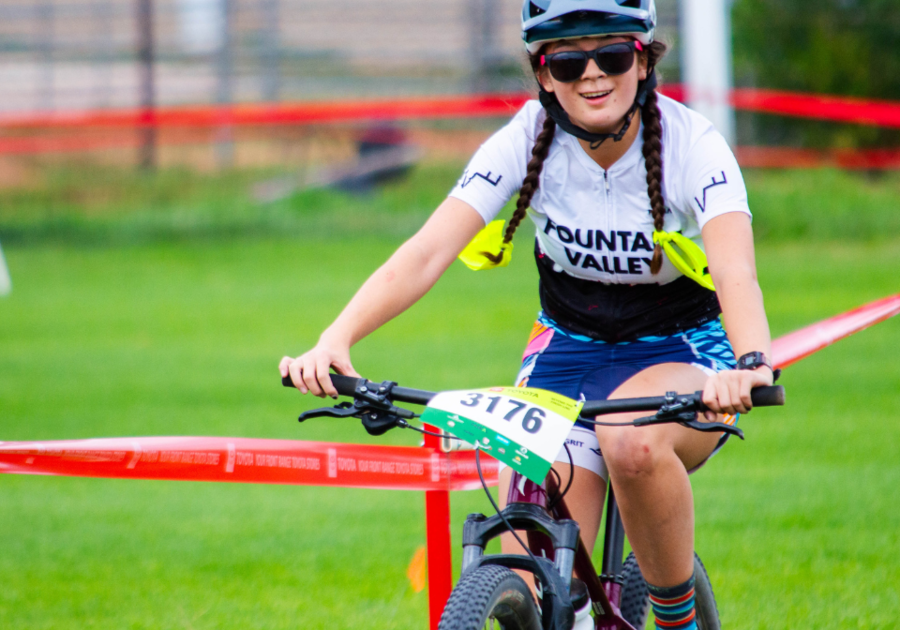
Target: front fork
<point>559,551</point>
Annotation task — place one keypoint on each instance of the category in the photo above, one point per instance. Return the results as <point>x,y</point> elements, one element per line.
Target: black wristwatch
<point>753,360</point>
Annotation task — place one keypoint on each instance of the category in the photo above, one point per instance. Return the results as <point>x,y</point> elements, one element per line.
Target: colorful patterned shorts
<point>582,368</point>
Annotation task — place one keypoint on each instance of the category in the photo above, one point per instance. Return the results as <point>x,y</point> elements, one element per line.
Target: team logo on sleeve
<point>466,179</point>
<point>705,188</point>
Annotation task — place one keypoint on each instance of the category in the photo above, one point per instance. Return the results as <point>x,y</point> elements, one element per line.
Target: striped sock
<point>674,606</point>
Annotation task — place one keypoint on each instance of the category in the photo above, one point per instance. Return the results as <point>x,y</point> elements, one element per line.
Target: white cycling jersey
<point>596,224</point>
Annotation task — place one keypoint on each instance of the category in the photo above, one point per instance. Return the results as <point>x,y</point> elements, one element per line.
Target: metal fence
<point>65,55</point>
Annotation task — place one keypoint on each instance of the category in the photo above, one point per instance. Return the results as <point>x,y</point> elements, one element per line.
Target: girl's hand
<point>729,391</point>
<point>310,371</point>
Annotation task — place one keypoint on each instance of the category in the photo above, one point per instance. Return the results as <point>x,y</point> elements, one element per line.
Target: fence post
<point>271,51</point>
<point>483,34</point>
<point>437,531</point>
<point>46,45</point>
<point>147,96</point>
<point>225,87</point>
<point>706,60</point>
<point>104,24</point>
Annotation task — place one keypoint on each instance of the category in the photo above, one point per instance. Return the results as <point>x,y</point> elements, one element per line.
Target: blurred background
<point>190,189</point>
<point>95,76</point>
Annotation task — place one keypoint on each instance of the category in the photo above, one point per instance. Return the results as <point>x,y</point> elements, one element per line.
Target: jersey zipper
<point>609,210</point>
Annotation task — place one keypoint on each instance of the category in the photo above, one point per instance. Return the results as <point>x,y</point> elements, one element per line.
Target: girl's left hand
<point>729,391</point>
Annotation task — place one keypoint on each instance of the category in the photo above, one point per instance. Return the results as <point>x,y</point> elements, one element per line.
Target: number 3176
<point>532,417</point>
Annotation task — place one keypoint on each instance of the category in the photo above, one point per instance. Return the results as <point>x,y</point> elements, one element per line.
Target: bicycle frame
<point>555,540</point>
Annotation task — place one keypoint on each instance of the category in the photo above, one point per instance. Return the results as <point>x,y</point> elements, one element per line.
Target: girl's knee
<point>632,453</point>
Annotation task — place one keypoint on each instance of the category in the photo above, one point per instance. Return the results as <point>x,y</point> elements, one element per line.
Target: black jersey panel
<point>623,312</point>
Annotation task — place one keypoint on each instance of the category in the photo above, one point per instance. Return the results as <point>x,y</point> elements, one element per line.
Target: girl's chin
<point>597,126</point>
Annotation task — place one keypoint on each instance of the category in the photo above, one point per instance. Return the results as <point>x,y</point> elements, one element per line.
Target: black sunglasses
<point>569,65</point>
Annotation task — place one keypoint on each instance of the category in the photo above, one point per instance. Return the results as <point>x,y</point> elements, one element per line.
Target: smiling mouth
<point>593,95</point>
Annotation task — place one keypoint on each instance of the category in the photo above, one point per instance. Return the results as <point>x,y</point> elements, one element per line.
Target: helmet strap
<point>561,118</point>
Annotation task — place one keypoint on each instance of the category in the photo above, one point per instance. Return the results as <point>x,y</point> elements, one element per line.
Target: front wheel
<point>490,597</point>
<point>636,599</point>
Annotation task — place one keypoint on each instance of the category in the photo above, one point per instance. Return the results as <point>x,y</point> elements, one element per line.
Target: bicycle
<point>489,590</point>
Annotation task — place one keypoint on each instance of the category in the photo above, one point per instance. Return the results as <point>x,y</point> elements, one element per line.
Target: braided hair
<point>652,150</point>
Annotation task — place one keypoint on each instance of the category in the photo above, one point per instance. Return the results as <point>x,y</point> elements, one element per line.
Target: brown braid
<point>652,150</point>
<point>530,183</point>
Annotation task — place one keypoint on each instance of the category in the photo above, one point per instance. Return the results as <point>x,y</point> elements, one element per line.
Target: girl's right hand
<point>310,372</point>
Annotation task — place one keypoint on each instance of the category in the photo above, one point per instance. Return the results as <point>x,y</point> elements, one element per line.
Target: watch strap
<point>755,359</point>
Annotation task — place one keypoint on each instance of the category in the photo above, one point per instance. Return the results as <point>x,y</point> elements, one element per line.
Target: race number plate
<point>522,427</point>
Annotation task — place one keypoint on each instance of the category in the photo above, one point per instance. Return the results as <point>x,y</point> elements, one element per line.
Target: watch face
<point>752,360</point>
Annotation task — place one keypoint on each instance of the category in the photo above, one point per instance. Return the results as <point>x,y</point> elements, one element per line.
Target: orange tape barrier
<point>788,157</point>
<point>801,343</point>
<point>296,113</point>
<point>253,460</point>
<point>250,460</point>
<point>860,111</point>
<point>823,107</point>
<point>819,106</point>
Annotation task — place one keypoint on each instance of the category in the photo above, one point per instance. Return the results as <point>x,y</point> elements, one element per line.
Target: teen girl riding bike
<point>612,175</point>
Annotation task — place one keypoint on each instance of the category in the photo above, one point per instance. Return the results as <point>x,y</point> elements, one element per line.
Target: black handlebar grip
<point>767,396</point>
<point>345,385</point>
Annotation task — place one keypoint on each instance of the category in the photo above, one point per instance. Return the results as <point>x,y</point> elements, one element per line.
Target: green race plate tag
<point>523,427</point>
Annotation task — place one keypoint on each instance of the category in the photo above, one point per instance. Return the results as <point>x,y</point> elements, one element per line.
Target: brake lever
<point>689,419</point>
<point>341,410</point>
<point>683,410</point>
<point>713,426</point>
<point>372,404</point>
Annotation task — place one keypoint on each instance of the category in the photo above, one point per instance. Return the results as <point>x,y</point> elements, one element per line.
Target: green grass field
<point>176,330</point>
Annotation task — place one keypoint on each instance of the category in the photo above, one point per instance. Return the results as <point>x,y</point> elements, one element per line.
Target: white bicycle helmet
<point>551,20</point>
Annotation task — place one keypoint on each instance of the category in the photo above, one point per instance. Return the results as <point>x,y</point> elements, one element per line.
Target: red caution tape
<point>820,106</point>
<point>791,157</point>
<point>304,112</point>
<point>802,343</point>
<point>250,460</point>
<point>823,107</point>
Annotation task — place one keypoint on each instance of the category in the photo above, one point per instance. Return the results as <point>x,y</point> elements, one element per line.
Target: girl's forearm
<point>743,312</point>
<point>408,274</point>
<point>732,263</point>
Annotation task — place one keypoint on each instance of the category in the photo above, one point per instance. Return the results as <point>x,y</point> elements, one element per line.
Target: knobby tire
<point>704,599</point>
<point>635,603</point>
<point>490,597</point>
<point>636,599</point>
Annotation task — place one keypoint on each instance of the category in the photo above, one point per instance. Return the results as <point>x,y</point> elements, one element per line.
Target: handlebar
<point>349,386</point>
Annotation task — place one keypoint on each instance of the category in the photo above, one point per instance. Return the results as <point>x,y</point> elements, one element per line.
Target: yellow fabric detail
<point>687,257</point>
<point>489,239</point>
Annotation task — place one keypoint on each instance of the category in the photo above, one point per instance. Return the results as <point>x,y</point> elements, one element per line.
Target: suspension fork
<point>604,590</point>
